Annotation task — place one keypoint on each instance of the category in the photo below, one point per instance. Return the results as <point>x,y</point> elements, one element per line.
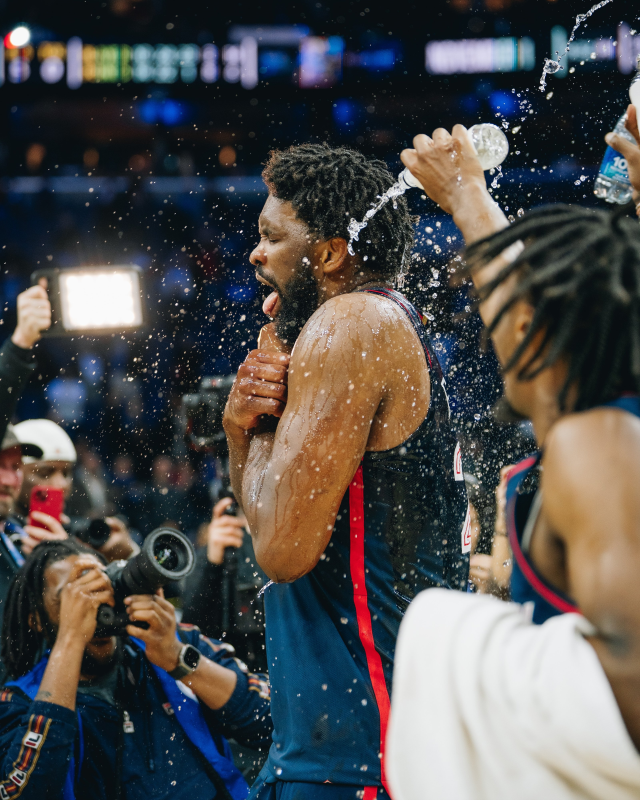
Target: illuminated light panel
<point>464,56</point>
<point>19,37</point>
<point>95,300</point>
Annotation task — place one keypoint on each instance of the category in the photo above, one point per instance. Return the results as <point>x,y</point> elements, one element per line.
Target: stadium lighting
<point>94,300</point>
<point>18,37</point>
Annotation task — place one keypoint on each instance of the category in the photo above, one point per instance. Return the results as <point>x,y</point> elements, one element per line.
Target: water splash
<point>498,176</point>
<point>354,227</point>
<point>551,66</point>
<point>264,589</point>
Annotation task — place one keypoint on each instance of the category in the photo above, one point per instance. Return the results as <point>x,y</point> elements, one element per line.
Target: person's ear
<point>522,318</point>
<point>34,622</point>
<point>333,255</point>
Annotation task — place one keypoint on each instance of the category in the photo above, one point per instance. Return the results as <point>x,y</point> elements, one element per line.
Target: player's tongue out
<point>270,305</point>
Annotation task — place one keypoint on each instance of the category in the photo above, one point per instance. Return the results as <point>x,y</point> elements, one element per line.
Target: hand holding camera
<point>88,589</point>
<point>162,645</point>
<point>224,531</point>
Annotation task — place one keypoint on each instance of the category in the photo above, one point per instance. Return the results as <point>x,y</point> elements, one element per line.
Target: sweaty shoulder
<point>368,344</point>
<point>599,434</point>
<point>592,461</point>
<point>363,319</point>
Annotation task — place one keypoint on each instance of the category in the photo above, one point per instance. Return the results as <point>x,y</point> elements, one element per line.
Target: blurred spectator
<point>11,558</point>
<point>90,491</point>
<point>173,497</point>
<point>16,356</point>
<point>55,468</point>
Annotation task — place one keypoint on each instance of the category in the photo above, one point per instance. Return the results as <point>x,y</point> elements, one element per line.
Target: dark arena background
<point>134,133</point>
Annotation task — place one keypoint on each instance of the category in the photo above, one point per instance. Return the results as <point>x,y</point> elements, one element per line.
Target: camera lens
<point>167,554</point>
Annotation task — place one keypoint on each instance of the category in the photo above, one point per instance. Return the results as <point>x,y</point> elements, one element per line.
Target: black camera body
<point>204,411</point>
<point>166,555</point>
<point>94,532</point>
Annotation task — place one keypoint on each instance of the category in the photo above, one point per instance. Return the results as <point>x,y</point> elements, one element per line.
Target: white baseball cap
<point>49,437</point>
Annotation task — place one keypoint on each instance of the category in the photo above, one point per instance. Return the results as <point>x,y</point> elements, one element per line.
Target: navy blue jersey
<point>403,526</point>
<point>523,506</point>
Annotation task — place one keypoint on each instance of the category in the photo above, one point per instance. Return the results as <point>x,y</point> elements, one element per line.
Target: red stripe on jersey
<point>370,793</point>
<point>363,615</point>
<point>546,592</point>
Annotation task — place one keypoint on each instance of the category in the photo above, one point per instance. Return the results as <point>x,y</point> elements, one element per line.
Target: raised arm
<point>592,506</point>
<point>294,479</point>
<point>447,166</point>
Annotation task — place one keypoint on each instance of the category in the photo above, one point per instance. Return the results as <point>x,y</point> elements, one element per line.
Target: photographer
<point>116,717</point>
<point>55,468</point>
<point>221,596</point>
<point>16,354</point>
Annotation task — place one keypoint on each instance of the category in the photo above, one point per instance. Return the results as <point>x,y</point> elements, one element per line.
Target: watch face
<point>191,657</point>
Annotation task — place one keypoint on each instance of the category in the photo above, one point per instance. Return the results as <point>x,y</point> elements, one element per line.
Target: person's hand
<point>162,645</point>
<point>52,530</point>
<point>34,315</point>
<point>270,342</point>
<point>119,545</point>
<point>88,587</point>
<point>629,150</point>
<point>224,531</point>
<point>447,165</point>
<point>480,571</point>
<point>260,388</point>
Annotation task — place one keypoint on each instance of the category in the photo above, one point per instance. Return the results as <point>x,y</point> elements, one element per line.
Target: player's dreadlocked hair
<point>580,270</point>
<point>328,186</point>
<point>21,644</point>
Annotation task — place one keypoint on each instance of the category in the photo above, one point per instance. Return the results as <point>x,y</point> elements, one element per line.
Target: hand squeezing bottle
<point>491,145</point>
<point>612,183</point>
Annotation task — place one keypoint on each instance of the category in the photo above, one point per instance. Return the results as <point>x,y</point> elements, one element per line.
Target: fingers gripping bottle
<point>612,183</point>
<point>491,145</point>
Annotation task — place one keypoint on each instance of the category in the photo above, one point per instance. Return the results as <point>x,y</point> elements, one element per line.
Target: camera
<point>166,555</point>
<point>94,532</point>
<point>203,412</point>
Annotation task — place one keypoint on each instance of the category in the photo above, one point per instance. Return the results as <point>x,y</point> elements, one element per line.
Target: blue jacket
<point>143,748</point>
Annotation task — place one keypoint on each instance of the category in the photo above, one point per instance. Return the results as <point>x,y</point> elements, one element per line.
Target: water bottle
<point>491,145</point>
<point>612,183</point>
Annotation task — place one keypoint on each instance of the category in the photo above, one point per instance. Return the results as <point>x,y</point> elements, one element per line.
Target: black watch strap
<point>188,661</point>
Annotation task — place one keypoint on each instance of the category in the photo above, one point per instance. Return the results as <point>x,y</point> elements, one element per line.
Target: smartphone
<point>47,499</point>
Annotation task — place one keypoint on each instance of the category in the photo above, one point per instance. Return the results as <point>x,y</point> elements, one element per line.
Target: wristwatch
<point>188,661</point>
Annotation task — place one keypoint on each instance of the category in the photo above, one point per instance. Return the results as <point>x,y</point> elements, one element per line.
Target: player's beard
<point>298,302</point>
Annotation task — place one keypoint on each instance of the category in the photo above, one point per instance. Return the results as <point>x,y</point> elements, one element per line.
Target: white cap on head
<point>49,437</point>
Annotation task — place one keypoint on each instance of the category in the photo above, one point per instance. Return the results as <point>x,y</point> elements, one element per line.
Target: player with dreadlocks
<point>559,292</point>
<point>356,500</point>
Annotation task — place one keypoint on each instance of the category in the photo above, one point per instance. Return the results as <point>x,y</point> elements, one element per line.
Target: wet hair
<point>580,270</point>
<point>22,644</point>
<point>328,186</point>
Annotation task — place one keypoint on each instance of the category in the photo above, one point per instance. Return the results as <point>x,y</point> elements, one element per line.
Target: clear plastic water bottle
<point>612,183</point>
<point>490,142</point>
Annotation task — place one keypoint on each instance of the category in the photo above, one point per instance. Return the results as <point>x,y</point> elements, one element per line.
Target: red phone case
<point>48,500</point>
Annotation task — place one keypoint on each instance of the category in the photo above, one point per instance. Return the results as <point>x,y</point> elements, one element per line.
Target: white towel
<point>487,706</point>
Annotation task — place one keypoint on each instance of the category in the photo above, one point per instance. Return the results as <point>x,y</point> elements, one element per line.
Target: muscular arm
<point>592,505</point>
<point>294,479</point>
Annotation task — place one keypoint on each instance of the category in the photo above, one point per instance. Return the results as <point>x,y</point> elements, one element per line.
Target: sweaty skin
<point>357,380</point>
<point>586,541</point>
